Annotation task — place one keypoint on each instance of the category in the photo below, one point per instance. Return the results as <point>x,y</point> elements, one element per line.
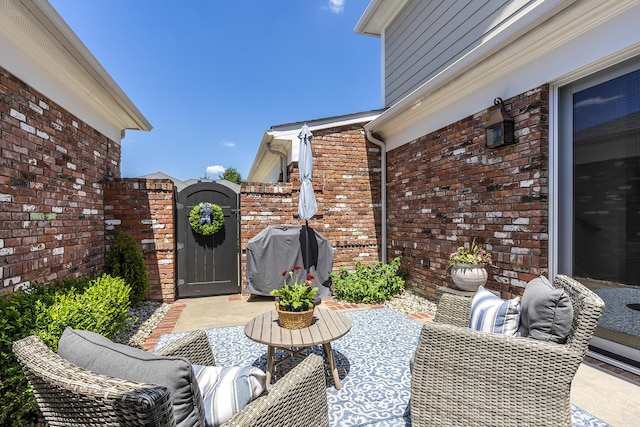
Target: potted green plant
<point>295,300</point>
<point>468,266</point>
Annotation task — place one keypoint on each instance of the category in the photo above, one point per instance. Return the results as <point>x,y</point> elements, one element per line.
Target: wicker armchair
<point>461,377</point>
<point>71,396</point>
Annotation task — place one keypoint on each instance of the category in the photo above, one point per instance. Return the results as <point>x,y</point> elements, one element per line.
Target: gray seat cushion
<point>547,313</point>
<point>97,353</point>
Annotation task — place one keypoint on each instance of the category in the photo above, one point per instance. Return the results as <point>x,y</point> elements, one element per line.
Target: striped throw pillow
<point>226,391</point>
<point>490,313</point>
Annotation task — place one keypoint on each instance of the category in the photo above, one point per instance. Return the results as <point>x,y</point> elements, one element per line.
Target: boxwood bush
<point>99,305</point>
<point>125,259</point>
<point>101,308</point>
<point>369,283</point>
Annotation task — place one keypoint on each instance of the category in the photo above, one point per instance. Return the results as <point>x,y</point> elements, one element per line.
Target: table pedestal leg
<point>271,351</point>
<point>332,364</point>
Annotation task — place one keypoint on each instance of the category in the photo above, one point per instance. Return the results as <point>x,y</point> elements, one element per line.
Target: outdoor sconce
<point>499,129</point>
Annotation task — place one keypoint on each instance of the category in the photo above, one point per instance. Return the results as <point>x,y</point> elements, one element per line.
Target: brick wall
<point>347,188</point>
<point>346,182</point>
<point>349,170</point>
<point>263,205</point>
<point>446,188</point>
<point>145,210</point>
<point>443,189</point>
<point>52,171</point>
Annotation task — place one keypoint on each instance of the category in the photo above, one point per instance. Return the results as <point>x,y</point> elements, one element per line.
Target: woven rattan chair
<point>461,377</point>
<point>71,396</point>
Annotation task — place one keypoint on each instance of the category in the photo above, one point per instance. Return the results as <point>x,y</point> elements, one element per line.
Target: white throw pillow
<point>225,391</point>
<point>490,313</point>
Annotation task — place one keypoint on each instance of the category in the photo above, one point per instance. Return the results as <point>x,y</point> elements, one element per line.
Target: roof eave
<point>377,16</point>
<point>464,76</point>
<point>284,138</point>
<point>38,32</point>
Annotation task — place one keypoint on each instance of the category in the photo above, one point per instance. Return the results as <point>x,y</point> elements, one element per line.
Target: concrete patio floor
<point>600,389</point>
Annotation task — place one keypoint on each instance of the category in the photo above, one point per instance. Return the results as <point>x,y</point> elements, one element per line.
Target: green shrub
<point>125,259</point>
<point>101,308</point>
<point>369,284</point>
<point>99,305</point>
<point>17,320</point>
<point>17,403</point>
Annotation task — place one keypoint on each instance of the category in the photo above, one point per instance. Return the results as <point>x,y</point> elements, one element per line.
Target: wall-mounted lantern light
<point>499,129</point>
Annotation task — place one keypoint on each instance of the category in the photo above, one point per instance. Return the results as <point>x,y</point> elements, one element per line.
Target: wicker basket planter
<point>294,319</point>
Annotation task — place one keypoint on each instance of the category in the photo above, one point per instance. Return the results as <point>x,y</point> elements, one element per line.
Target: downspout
<point>283,161</point>
<point>383,190</point>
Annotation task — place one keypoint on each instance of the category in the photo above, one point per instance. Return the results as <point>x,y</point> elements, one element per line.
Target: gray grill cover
<point>277,249</point>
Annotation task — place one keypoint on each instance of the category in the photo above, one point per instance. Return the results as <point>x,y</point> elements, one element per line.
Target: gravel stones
<point>409,302</point>
<point>145,317</point>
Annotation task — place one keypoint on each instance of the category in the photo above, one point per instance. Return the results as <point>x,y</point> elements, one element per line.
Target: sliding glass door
<point>599,200</point>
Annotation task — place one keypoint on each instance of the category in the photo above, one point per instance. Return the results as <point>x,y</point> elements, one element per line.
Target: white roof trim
<point>37,46</point>
<point>377,16</point>
<point>284,138</point>
<point>544,42</point>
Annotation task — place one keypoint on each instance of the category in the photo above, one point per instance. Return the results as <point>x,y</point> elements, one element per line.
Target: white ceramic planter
<point>468,277</point>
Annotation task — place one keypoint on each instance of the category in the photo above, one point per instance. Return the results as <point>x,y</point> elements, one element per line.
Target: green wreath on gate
<point>206,218</point>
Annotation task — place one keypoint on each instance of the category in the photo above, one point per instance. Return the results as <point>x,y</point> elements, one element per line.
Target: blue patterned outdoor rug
<point>373,364</point>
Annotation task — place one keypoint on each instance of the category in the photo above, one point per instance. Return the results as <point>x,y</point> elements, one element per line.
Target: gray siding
<point>429,35</point>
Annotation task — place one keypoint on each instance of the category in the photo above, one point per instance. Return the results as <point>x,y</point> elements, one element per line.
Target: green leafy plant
<point>470,254</point>
<point>295,295</point>
<point>101,308</point>
<point>369,283</point>
<point>206,218</point>
<point>99,305</point>
<point>125,259</point>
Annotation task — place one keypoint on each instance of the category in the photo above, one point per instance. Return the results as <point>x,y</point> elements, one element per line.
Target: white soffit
<point>546,41</point>
<point>37,46</point>
<point>284,138</point>
<point>377,16</point>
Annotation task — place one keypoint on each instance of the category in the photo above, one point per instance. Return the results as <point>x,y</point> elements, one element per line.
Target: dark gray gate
<point>208,265</point>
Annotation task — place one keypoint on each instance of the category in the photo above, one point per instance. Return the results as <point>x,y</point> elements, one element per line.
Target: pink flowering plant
<point>471,254</point>
<point>295,295</point>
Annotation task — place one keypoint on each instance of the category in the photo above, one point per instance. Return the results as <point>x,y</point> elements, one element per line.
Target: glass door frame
<point>561,171</point>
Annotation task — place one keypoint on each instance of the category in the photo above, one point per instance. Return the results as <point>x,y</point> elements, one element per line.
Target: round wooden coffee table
<point>327,326</point>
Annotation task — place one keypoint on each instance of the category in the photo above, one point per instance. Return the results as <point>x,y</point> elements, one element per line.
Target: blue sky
<point>211,76</point>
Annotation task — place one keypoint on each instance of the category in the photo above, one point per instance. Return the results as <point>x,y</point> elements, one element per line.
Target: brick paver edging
<point>166,325</point>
